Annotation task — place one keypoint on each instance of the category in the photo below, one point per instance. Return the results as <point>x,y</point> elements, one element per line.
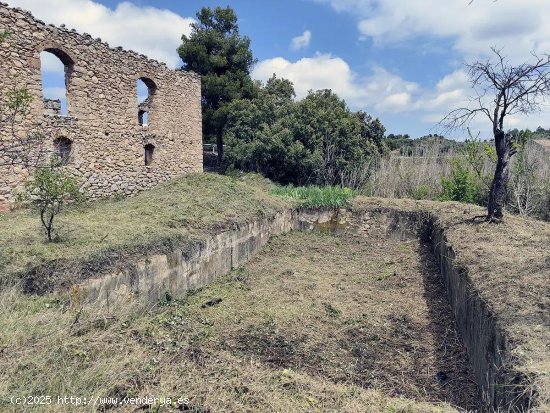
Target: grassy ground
<point>509,266</point>
<point>316,323</point>
<point>96,236</point>
<point>182,349</point>
<point>317,197</point>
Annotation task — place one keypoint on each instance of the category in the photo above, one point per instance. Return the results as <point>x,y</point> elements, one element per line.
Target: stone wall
<point>107,140</point>
<point>505,384</point>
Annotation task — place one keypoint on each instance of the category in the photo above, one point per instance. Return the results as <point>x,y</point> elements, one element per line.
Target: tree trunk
<point>219,145</point>
<point>497,195</point>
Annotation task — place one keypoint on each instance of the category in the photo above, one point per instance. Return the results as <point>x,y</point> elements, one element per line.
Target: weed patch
<point>316,196</point>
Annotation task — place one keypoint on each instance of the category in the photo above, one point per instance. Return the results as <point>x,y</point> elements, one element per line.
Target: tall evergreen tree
<point>223,58</point>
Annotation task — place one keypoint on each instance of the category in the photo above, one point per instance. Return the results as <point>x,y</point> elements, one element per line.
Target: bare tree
<point>502,89</point>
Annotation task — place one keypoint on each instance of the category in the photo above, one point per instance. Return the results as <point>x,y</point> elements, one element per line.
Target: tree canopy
<point>317,140</point>
<point>223,58</point>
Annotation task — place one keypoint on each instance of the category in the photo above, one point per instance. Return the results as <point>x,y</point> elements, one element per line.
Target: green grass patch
<point>317,196</point>
<point>94,236</point>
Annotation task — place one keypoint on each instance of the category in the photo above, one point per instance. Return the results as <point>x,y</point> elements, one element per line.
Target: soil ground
<point>315,323</point>
<point>369,311</point>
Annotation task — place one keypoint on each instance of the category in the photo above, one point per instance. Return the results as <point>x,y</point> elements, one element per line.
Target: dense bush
<point>317,140</point>
<point>460,186</point>
<point>470,179</point>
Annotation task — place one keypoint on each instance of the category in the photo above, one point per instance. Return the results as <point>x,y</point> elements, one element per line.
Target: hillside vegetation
<point>95,236</point>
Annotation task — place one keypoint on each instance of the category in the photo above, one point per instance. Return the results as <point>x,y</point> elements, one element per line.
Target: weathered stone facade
<point>108,142</point>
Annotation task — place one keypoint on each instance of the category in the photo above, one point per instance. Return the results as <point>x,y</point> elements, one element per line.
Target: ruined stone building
<point>103,138</point>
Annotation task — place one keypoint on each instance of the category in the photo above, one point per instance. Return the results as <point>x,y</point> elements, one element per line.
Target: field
<point>316,322</point>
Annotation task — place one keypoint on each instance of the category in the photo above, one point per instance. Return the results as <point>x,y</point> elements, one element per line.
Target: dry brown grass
<point>509,265</point>
<point>307,326</point>
<point>295,328</point>
<point>420,177</point>
<point>396,176</point>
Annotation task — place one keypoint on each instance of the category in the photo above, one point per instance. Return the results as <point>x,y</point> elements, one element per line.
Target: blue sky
<point>399,60</point>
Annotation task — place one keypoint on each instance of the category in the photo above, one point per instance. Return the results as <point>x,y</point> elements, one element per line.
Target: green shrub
<point>460,186</point>
<point>316,196</point>
<point>48,191</point>
<point>422,191</point>
<point>317,140</point>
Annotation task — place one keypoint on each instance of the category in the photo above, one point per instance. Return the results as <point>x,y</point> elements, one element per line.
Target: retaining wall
<point>503,386</point>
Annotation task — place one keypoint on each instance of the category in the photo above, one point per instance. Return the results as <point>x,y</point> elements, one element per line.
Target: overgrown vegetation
<point>316,196</point>
<point>464,173</point>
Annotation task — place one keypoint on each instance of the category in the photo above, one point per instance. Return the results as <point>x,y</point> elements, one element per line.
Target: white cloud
<point>517,26</point>
<point>382,90</point>
<point>454,91</point>
<point>301,42</point>
<point>50,63</point>
<point>395,102</point>
<point>55,93</point>
<point>383,93</point>
<point>149,30</point>
<point>455,80</point>
<point>451,91</point>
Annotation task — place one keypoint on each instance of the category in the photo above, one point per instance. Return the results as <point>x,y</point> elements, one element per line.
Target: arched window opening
<point>149,150</point>
<point>63,148</point>
<point>143,117</point>
<point>146,89</point>
<point>56,68</point>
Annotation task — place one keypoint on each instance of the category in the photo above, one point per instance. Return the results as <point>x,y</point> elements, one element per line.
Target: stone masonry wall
<point>107,139</point>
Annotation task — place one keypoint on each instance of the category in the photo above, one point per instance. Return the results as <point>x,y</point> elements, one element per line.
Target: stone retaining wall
<point>505,387</point>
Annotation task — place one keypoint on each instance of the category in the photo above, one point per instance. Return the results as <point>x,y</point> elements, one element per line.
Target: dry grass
<point>509,266</point>
<point>306,326</point>
<point>293,330</point>
<point>397,176</point>
<point>420,177</point>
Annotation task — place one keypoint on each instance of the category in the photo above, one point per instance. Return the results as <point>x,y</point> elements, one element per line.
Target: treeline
<point>260,127</point>
<point>406,146</point>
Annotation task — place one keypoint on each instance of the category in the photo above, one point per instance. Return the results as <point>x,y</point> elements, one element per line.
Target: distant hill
<point>541,133</point>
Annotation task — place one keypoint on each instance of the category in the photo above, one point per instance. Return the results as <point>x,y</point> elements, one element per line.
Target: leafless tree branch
<point>516,89</point>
